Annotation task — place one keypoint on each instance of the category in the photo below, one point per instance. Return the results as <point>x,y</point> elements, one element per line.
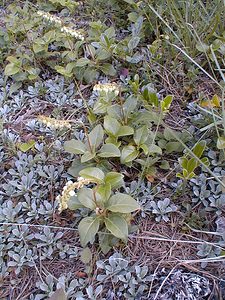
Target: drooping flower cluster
<point>56,20</point>
<point>54,123</point>
<point>107,88</point>
<point>69,191</point>
<point>73,32</point>
<point>48,17</point>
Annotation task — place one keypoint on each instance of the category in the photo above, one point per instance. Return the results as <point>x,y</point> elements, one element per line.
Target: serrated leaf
<point>109,150</point>
<point>88,227</point>
<point>128,154</point>
<point>75,147</point>
<point>141,135</point>
<point>94,174</point>
<point>86,197</point>
<point>96,137</point>
<point>117,226</point>
<point>122,203</point>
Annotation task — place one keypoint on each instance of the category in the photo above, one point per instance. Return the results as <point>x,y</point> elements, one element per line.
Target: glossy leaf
<point>129,106</point>
<point>11,69</point>
<point>191,165</point>
<point>166,102</point>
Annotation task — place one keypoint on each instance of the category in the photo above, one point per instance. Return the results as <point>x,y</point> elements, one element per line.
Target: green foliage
<point>109,210</point>
<point>189,165</point>
<point>65,47</point>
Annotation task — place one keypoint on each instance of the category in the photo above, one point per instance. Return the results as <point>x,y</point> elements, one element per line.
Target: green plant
<point>124,129</point>
<point>109,210</point>
<point>189,164</point>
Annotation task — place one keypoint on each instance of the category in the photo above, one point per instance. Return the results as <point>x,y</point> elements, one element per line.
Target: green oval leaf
<point>128,154</point>
<point>109,150</point>
<point>11,69</point>
<point>74,203</point>
<point>86,197</point>
<point>74,146</point>
<point>155,149</point>
<point>114,179</point>
<point>141,135</point>
<point>94,174</point>
<point>125,130</point>
<point>87,156</point>
<point>88,227</point>
<point>122,203</point>
<point>96,137</point>
<point>117,226</point>
<point>111,125</point>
